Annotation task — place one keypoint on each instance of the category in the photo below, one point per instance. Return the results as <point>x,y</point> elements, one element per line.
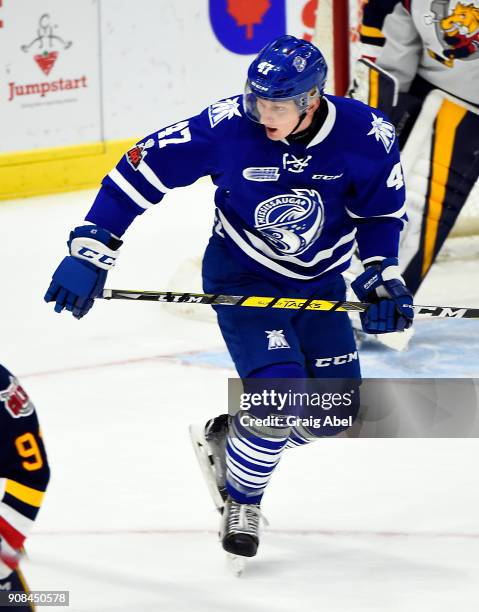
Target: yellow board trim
<point>448,119</point>
<point>369,31</point>
<point>43,171</point>
<point>25,494</point>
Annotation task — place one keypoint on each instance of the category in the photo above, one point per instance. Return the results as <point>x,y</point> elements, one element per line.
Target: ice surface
<point>356,525</point>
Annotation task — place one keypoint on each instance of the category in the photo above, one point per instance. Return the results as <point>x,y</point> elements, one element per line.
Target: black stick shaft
<point>172,297</point>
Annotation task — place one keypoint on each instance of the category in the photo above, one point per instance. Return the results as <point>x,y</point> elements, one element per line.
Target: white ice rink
<point>127,524</point>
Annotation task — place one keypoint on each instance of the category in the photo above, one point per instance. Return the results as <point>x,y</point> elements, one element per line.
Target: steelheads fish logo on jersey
<point>291,222</point>
<point>246,26</point>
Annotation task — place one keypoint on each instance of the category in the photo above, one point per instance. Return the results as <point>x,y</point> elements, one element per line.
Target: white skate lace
<point>244,518</point>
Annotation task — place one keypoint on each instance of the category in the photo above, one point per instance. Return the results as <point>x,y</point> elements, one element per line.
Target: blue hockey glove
<point>81,276</point>
<point>391,301</point>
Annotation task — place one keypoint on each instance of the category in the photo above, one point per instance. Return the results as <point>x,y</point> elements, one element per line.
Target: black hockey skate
<point>240,525</point>
<point>209,443</point>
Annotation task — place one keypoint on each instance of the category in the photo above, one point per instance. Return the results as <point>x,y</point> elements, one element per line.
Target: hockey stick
<point>277,302</point>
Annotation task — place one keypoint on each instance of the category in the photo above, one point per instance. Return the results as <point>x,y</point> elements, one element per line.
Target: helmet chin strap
<point>301,117</point>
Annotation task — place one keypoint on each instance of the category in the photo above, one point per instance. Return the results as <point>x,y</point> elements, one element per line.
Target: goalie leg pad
<point>441,166</point>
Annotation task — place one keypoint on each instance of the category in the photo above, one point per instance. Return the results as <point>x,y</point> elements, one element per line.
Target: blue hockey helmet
<point>288,68</point>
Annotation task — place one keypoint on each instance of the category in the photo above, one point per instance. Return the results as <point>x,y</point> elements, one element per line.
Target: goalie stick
<point>172,297</point>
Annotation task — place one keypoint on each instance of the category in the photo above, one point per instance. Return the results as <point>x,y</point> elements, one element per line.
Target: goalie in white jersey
<point>430,49</point>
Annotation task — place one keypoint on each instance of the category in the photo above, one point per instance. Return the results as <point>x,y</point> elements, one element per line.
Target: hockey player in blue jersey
<point>302,178</point>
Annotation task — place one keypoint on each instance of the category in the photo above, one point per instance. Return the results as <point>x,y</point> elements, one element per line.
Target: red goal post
<point>336,34</point>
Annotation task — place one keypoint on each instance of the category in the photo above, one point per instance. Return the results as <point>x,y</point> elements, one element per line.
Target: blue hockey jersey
<point>285,209</point>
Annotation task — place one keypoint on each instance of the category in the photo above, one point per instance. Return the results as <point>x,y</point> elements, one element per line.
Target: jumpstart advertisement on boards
<point>50,77</point>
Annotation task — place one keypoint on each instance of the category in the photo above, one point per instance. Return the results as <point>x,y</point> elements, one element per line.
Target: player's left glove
<point>80,277</point>
<point>391,301</point>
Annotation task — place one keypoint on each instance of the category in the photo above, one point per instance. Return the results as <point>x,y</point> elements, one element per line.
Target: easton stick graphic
<point>171,297</point>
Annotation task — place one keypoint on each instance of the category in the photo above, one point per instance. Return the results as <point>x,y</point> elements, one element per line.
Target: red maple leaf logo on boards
<point>248,13</point>
<point>46,61</point>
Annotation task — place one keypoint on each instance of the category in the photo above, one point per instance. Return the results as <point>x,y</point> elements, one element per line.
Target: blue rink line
<point>440,348</point>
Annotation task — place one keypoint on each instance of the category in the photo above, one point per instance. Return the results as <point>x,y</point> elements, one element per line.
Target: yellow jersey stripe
<point>373,88</point>
<point>30,496</point>
<point>369,31</point>
<point>449,117</point>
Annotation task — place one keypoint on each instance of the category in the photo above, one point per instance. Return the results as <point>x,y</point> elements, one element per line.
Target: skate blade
<point>200,447</point>
<point>236,564</point>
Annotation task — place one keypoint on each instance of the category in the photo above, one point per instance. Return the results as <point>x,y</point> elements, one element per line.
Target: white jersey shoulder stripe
<point>152,178</point>
<point>128,188</point>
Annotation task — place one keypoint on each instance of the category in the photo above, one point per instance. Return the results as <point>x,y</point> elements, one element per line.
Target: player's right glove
<point>382,285</point>
<point>81,276</point>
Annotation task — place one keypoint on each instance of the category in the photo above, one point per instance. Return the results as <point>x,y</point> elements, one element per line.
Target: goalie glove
<point>374,86</point>
<point>81,276</point>
<point>391,301</point>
